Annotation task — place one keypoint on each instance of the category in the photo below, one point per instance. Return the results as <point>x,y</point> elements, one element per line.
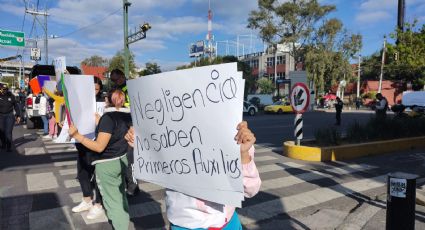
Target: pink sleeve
<point>251,177</point>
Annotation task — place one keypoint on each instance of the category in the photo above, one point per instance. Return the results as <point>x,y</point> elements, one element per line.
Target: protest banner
<point>41,79</point>
<point>35,86</point>
<point>185,123</point>
<point>63,135</point>
<point>50,85</point>
<point>60,67</point>
<point>81,103</point>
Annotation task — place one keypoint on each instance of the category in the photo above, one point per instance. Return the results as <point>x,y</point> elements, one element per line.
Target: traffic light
<point>396,56</point>
<point>145,27</point>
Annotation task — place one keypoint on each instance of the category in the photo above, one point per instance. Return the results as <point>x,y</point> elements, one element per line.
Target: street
<point>39,185</point>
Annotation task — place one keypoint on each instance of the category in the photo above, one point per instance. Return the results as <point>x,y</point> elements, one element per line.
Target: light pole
<point>382,65</point>
<point>133,37</point>
<point>358,77</point>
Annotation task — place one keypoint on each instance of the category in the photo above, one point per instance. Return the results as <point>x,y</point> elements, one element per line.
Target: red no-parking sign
<point>300,97</point>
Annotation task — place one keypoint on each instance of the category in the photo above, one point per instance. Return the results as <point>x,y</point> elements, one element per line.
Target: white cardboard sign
<point>82,103</point>
<point>185,123</point>
<point>60,67</point>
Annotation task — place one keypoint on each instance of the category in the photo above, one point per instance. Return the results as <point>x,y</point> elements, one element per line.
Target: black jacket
<point>8,103</point>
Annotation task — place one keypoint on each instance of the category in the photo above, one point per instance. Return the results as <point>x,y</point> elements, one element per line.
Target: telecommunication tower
<point>210,37</point>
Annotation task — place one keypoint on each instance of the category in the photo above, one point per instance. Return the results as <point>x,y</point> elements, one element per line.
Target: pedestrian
<point>20,99</point>
<point>110,158</point>
<point>338,109</point>
<point>381,107</point>
<point>58,103</point>
<point>185,212</point>
<point>86,172</point>
<point>358,102</point>
<point>7,118</point>
<point>43,111</point>
<point>118,78</point>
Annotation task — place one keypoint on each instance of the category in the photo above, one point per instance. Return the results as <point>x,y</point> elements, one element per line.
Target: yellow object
<point>279,107</point>
<point>350,151</point>
<point>59,101</point>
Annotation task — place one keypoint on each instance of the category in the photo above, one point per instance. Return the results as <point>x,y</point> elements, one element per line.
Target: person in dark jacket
<point>7,118</point>
<point>110,158</point>
<point>118,78</point>
<point>338,108</point>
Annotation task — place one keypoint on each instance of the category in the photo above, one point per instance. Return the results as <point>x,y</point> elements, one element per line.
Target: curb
<point>350,151</point>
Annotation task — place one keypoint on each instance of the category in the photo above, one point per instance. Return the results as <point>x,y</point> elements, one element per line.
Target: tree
<point>117,62</point>
<point>95,61</point>
<point>151,68</point>
<point>410,54</point>
<point>291,22</point>
<point>242,66</point>
<point>327,57</point>
<point>265,85</point>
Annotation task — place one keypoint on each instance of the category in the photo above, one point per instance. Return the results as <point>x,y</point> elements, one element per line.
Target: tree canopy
<point>151,68</point>
<point>117,62</point>
<point>95,60</point>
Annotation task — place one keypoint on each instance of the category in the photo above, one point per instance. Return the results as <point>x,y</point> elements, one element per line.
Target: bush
<point>374,130</point>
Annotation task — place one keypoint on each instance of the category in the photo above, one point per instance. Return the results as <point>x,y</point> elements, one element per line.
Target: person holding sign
<point>186,212</point>
<point>111,158</point>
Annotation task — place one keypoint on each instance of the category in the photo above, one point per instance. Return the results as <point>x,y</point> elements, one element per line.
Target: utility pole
<point>126,4</point>
<point>36,13</point>
<point>133,37</point>
<point>382,65</point>
<point>358,77</point>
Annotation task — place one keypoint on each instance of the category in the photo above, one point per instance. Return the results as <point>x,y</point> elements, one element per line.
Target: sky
<point>78,29</point>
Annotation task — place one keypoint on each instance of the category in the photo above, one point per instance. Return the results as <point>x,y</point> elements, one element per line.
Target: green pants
<point>110,180</point>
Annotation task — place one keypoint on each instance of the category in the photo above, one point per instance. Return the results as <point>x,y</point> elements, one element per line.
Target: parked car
<point>249,108</point>
<point>279,107</point>
<point>33,119</point>
<point>260,100</point>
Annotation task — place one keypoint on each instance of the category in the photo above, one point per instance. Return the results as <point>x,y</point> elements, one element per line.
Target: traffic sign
<point>35,54</point>
<point>12,38</point>
<point>300,97</point>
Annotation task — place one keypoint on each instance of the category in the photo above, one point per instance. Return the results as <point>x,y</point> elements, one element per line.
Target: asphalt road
<point>273,129</point>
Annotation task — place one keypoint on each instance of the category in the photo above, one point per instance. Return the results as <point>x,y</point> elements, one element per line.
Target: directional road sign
<point>12,38</point>
<point>300,97</point>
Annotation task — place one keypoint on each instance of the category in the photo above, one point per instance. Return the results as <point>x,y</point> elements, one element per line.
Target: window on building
<point>280,75</point>
<point>281,60</point>
<point>254,63</point>
<point>270,61</point>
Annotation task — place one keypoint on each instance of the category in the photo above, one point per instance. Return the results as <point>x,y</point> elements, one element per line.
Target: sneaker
<point>95,212</point>
<point>47,136</point>
<point>83,206</point>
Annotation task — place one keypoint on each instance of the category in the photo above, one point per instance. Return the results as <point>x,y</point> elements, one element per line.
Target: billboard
<point>196,49</point>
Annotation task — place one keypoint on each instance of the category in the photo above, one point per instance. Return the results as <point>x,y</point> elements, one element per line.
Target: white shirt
<point>42,106</point>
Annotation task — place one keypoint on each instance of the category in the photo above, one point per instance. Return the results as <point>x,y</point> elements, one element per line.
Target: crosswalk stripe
<point>263,150</point>
<point>264,158</point>
<point>271,208</point>
<point>64,163</point>
<point>283,182</point>
<point>61,150</point>
<point>65,172</point>
<point>71,183</point>
<point>54,146</point>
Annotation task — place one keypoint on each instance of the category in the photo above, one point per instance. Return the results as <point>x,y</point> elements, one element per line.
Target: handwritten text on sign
<point>185,123</point>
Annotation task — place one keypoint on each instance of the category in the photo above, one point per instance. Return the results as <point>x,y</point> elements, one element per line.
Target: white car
<point>249,108</point>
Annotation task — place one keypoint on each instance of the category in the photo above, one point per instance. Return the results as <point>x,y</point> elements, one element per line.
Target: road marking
<point>71,183</point>
<point>41,181</point>
<point>65,172</point>
<point>54,146</point>
<point>64,163</point>
<point>34,151</point>
<point>61,150</point>
<point>284,182</point>
<point>76,197</point>
<point>358,220</point>
<point>268,209</point>
<point>264,158</point>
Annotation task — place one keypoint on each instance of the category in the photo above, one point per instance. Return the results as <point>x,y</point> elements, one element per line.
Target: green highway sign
<point>12,38</point>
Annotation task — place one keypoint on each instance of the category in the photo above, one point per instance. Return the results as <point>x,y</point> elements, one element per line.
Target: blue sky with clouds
<point>176,24</point>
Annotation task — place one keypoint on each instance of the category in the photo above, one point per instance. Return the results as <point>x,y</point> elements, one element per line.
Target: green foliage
<point>374,130</point>
<point>242,66</point>
<point>9,81</point>
<point>95,60</point>
<point>327,136</point>
<point>265,85</point>
<point>151,68</point>
<point>117,62</point>
<point>370,95</point>
<point>290,22</point>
